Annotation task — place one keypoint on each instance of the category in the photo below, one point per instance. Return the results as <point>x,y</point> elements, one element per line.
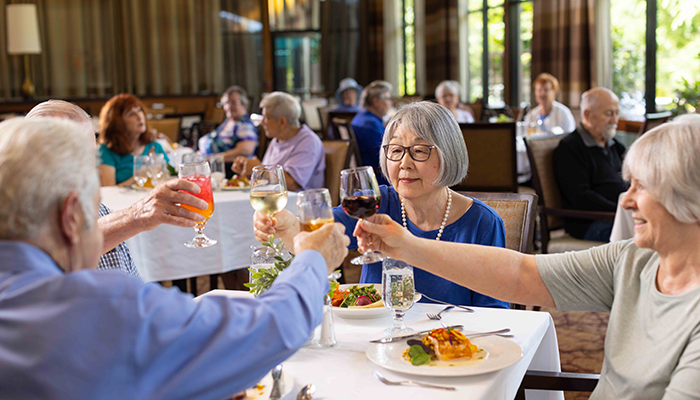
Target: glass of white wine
<point>398,291</point>
<point>268,189</point>
<point>315,209</point>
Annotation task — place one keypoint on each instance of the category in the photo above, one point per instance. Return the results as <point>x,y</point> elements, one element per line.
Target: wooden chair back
<point>342,115</point>
<point>337,159</point>
<point>342,130</point>
<point>324,116</point>
<point>492,158</point>
<point>517,210</point>
<point>169,126</point>
<point>654,120</point>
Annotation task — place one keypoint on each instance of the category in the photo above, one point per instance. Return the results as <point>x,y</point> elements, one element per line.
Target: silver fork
<point>438,316</point>
<point>397,383</point>
<point>467,309</point>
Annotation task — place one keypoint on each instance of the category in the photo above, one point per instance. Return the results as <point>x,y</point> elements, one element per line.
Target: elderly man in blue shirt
<point>68,331</point>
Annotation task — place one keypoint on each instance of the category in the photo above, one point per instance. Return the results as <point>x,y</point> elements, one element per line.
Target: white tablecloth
<point>623,226</point>
<point>346,373</point>
<point>160,254</point>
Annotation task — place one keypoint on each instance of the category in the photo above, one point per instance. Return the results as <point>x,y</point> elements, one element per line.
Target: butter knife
<point>276,391</point>
<point>398,338</point>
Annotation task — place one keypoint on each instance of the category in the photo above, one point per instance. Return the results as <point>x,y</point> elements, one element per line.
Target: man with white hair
<point>69,332</point>
<point>588,165</point>
<point>294,146</point>
<point>146,214</point>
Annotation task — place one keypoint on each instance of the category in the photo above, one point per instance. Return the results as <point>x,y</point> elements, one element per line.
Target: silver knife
<point>398,338</point>
<point>276,391</point>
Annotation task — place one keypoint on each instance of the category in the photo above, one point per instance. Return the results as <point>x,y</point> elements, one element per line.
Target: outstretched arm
<point>492,271</point>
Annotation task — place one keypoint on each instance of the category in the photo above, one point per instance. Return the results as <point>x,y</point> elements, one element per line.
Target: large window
<point>482,49</point>
<point>676,41</point>
<point>407,66</point>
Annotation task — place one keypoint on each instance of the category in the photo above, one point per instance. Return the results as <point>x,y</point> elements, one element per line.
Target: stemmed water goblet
<point>199,174</point>
<point>360,198</point>
<point>398,291</point>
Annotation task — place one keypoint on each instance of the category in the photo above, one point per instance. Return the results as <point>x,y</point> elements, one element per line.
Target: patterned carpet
<point>581,336</point>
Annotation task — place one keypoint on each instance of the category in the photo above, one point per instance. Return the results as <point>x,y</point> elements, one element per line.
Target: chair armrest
<point>567,381</point>
<point>582,214</point>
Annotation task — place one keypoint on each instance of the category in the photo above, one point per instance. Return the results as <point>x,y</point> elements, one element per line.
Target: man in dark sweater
<point>588,165</point>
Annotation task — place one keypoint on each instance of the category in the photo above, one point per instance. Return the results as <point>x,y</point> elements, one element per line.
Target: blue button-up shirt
<point>106,335</point>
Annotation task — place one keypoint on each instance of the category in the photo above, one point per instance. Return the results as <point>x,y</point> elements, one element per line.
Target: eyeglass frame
<point>410,151</point>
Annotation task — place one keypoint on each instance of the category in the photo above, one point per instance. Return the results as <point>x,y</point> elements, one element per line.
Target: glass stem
<point>398,319</point>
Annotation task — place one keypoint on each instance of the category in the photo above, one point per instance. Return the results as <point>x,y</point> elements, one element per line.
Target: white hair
<point>42,161</point>
<point>280,104</point>
<point>373,91</point>
<point>452,86</point>
<point>436,125</point>
<point>666,161</point>
<point>67,110</point>
<point>591,98</point>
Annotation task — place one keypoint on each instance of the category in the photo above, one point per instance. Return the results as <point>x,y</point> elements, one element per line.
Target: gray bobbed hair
<point>436,125</point>
<point>666,161</point>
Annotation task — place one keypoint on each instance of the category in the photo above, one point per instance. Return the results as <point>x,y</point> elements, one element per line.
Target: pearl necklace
<point>444,220</point>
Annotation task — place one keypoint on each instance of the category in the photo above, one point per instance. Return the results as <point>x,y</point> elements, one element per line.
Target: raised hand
<point>330,241</point>
<point>380,233</point>
<point>159,206</point>
<point>284,225</point>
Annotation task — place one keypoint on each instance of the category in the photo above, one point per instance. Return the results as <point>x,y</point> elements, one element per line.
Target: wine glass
<point>218,174</point>
<point>268,189</point>
<point>141,169</point>
<point>315,209</point>
<point>156,169</point>
<point>360,198</point>
<point>199,174</point>
<point>398,290</point>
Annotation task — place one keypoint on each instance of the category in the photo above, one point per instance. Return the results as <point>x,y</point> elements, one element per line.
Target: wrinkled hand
<point>159,206</point>
<point>380,233</point>
<point>279,225</point>
<point>244,166</point>
<point>330,241</point>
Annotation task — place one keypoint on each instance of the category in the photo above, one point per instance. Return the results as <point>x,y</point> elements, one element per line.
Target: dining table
<point>160,254</point>
<point>345,371</point>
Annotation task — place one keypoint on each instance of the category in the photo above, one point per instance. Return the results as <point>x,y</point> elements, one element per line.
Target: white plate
<point>502,353</point>
<point>139,188</point>
<point>365,313</point>
<point>235,188</point>
<point>264,394</point>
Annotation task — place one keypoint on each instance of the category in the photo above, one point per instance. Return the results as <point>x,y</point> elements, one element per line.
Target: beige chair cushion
<point>560,242</point>
<point>336,156</point>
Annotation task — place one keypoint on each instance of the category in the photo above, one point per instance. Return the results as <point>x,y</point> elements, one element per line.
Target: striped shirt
<point>120,256</point>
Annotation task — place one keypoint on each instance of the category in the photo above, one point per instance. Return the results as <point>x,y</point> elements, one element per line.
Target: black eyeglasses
<point>418,152</point>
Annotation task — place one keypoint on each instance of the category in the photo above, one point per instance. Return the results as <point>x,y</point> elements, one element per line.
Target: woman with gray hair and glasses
<point>650,285</point>
<point>423,154</point>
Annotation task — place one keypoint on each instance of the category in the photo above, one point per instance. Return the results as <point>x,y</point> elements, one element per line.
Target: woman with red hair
<point>124,134</point>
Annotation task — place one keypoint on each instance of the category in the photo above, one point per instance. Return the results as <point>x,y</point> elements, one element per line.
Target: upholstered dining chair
<point>337,159</point>
<point>492,158</point>
<point>540,151</point>
<point>517,210</point>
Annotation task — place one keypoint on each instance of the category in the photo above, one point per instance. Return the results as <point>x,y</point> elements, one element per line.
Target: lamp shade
<point>22,29</point>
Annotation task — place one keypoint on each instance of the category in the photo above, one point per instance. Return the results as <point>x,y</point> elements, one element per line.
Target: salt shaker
<point>327,339</point>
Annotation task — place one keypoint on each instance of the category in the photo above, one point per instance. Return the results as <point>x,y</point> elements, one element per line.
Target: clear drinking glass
<point>268,189</point>
<point>260,257</point>
<point>398,290</point>
<point>360,198</point>
<point>157,169</point>
<point>218,173</point>
<point>199,174</point>
<point>141,164</point>
<point>315,209</point>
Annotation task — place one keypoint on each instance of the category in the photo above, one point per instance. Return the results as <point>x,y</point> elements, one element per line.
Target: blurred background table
<point>160,254</point>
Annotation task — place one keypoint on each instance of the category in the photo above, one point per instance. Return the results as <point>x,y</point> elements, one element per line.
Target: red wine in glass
<point>361,206</point>
<point>359,195</point>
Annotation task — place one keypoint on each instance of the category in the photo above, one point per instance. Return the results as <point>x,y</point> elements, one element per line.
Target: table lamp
<point>23,38</point>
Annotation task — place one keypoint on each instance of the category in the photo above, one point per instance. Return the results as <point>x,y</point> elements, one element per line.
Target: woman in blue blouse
<point>422,154</point>
<point>124,134</point>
